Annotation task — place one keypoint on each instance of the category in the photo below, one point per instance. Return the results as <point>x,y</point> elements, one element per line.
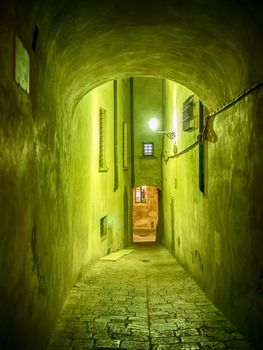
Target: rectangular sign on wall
<point>22,66</point>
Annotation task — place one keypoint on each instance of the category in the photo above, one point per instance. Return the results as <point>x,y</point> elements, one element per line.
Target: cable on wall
<point>193,145</point>
<point>236,99</point>
<point>201,137</point>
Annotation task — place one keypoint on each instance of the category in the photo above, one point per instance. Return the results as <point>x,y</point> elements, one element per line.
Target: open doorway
<point>145,213</point>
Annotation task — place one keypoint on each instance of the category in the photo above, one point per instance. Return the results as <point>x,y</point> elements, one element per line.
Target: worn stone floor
<point>145,300</point>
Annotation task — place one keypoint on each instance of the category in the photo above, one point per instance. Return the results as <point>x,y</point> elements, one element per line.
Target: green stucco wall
<point>92,190</point>
<point>217,236</point>
<point>52,199</point>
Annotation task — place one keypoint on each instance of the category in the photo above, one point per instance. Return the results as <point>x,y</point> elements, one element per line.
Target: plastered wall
<point>52,199</point>
<point>92,190</point>
<point>218,236</point>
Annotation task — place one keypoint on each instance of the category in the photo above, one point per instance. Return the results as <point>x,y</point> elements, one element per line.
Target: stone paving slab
<point>117,255</point>
<point>145,300</point>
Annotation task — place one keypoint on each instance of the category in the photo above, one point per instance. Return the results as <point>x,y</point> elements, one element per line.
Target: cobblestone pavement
<point>145,300</point>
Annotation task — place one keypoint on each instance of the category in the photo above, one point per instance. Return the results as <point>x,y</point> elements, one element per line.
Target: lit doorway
<point>145,213</point>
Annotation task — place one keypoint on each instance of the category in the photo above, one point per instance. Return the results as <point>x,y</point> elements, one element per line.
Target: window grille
<point>102,140</point>
<point>103,226</point>
<point>147,149</point>
<point>188,113</point>
<point>141,194</point>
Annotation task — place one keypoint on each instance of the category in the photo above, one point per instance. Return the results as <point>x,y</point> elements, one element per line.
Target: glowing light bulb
<point>153,123</point>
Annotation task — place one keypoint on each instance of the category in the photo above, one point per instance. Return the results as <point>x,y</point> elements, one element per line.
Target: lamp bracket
<point>170,134</point>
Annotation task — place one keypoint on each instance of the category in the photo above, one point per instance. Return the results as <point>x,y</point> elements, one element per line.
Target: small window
<point>103,227</point>
<point>102,140</point>
<point>141,194</point>
<point>147,149</point>
<point>188,113</point>
<point>125,146</point>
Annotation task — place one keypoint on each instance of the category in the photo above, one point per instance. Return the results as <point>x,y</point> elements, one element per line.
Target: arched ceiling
<point>212,47</point>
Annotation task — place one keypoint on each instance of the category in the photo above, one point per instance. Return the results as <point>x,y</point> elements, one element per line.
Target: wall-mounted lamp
<point>154,123</point>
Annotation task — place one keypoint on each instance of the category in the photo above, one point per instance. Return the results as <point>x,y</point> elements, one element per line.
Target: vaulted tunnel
<point>52,196</point>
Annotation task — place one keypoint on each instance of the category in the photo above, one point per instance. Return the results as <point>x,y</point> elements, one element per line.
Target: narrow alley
<point>144,300</point>
<point>125,123</point>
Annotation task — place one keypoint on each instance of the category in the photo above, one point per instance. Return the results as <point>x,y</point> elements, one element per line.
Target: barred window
<point>141,194</point>
<point>103,226</point>
<point>188,113</point>
<point>147,149</point>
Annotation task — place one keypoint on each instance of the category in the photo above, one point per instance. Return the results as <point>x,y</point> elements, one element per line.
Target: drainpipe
<point>116,168</point>
<point>201,149</point>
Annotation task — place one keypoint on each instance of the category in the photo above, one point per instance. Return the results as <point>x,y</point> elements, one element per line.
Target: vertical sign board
<point>22,66</point>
